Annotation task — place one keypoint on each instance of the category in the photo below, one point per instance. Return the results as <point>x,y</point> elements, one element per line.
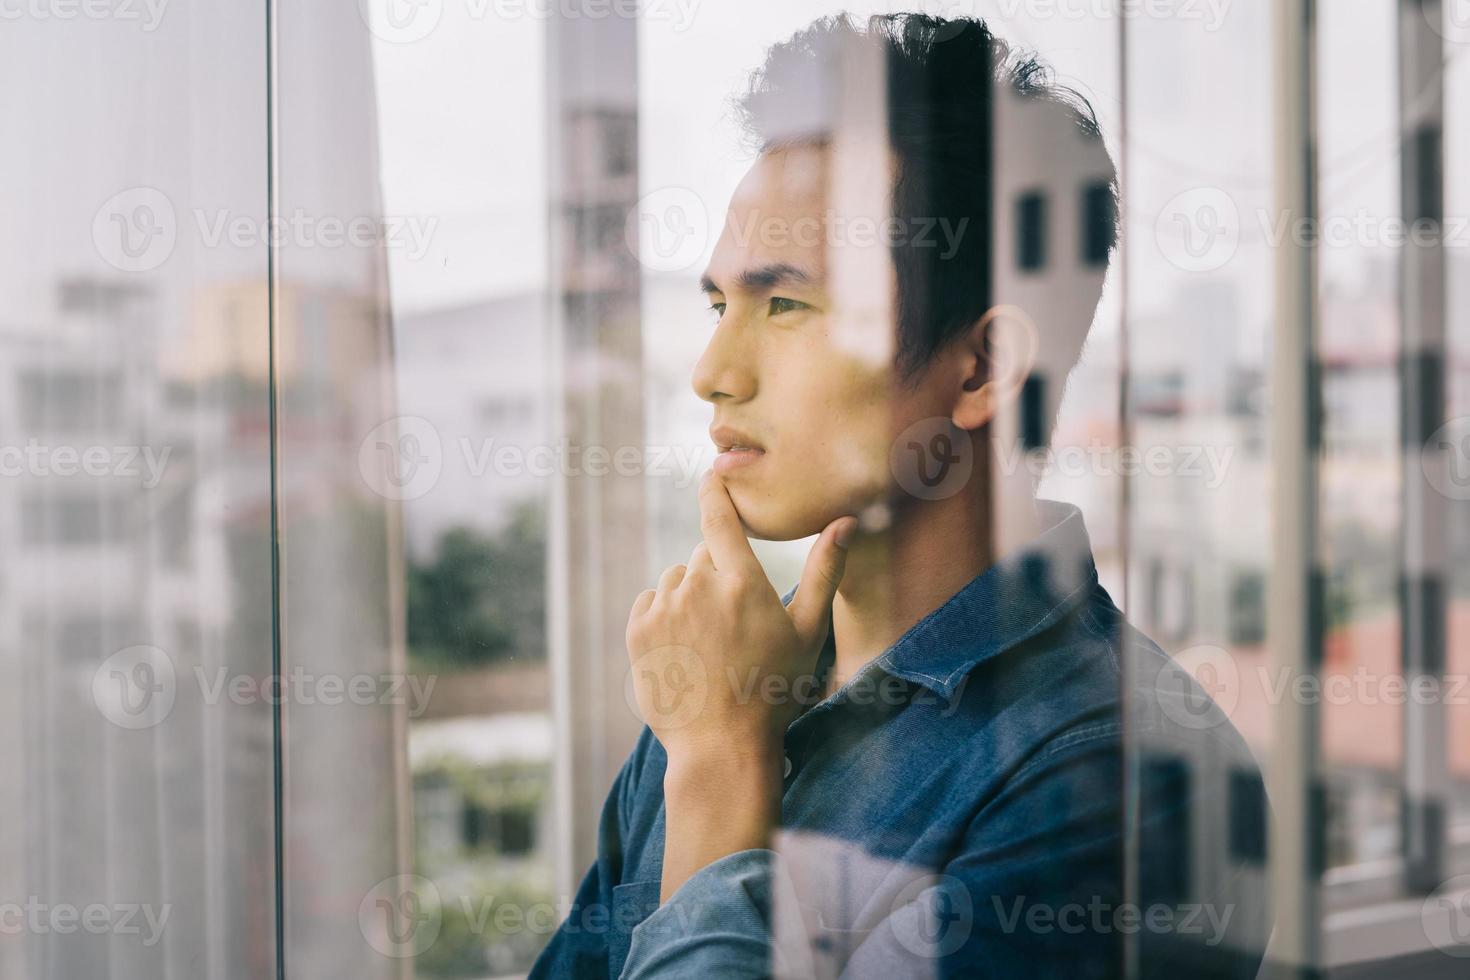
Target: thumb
<point>812,604</point>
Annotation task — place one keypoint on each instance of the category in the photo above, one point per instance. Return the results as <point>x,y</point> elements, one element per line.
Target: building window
<point>1033,412</point>
<point>1031,232</point>
<point>1155,591</point>
<point>1248,609</point>
<point>67,401</point>
<point>1099,224</point>
<point>73,520</point>
<point>509,831</point>
<point>620,147</point>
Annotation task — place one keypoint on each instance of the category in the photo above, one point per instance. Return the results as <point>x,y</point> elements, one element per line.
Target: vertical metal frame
<point>597,538</point>
<point>1131,964</point>
<point>1424,556</point>
<point>1295,614</point>
<point>278,748</point>
<point>336,556</point>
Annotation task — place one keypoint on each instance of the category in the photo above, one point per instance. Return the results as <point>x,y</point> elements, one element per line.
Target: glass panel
<point>1199,271</point>
<point>1200,554</point>
<point>1361,503</point>
<point>347,694</point>
<point>467,456</point>
<point>136,788</point>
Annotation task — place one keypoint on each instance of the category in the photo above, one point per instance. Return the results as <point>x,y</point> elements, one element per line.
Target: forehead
<point>777,214</point>
<point>791,177</point>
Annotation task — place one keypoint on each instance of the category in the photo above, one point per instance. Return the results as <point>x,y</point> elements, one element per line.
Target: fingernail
<point>845,532</point>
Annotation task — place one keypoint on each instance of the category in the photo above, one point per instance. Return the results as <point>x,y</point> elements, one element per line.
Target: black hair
<point>942,80</point>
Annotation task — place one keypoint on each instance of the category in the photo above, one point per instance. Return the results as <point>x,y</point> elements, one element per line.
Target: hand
<point>705,645</point>
<point>717,659</point>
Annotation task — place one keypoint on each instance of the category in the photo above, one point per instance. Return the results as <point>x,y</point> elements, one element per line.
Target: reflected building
<point>477,373</point>
<point>150,549</point>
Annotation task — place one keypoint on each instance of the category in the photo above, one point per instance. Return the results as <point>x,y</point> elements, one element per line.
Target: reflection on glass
<point>136,795</point>
<point>1361,503</point>
<point>1457,409</point>
<point>474,469</point>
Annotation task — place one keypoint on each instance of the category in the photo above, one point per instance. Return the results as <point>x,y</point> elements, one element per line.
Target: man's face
<point>805,408</point>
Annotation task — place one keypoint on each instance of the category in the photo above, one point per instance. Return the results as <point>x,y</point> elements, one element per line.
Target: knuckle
<point>738,583</point>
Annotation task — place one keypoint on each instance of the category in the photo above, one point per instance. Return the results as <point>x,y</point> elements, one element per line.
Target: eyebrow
<point>761,278</point>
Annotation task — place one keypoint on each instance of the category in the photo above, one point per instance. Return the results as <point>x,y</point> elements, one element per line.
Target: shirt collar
<point>1018,597</point>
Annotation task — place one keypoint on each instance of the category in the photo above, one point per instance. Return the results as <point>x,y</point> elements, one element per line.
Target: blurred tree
<point>482,597</point>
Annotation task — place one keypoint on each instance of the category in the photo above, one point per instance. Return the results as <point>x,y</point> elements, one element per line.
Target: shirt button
<point>786,767</point>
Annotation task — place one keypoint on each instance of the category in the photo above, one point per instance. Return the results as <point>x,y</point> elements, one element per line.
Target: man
<point>914,765</point>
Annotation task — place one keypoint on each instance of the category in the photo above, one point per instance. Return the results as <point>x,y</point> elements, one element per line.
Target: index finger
<point>720,524</point>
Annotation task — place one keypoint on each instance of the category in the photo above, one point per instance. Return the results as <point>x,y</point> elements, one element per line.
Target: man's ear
<point>997,354</point>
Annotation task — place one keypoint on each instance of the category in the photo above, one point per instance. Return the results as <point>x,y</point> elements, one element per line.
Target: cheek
<point>859,455</point>
<point>841,420</point>
<point>832,456</point>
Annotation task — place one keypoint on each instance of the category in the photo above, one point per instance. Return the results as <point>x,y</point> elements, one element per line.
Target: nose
<point>725,371</point>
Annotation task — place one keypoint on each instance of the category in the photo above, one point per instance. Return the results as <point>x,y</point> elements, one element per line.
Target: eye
<point>780,304</point>
<point>718,309</point>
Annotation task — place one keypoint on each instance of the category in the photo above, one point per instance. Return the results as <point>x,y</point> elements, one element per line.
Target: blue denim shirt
<point>957,809</point>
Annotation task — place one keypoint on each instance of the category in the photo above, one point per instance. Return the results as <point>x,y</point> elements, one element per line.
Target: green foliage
<point>481,598</point>
<point>521,784</point>
<point>495,926</point>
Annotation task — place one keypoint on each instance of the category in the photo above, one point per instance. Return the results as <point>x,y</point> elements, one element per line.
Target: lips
<point>729,439</point>
<point>737,448</point>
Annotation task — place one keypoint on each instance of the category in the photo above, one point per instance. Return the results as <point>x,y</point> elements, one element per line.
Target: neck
<point>896,577</point>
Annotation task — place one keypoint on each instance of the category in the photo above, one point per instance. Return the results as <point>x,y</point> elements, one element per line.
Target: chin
<point>769,518</point>
<point>776,530</point>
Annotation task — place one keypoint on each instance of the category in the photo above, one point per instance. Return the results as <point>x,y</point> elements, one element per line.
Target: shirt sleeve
<point>714,925</point>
